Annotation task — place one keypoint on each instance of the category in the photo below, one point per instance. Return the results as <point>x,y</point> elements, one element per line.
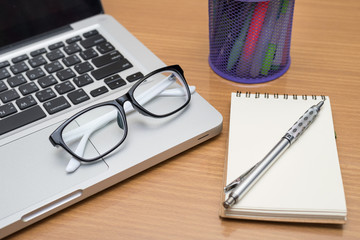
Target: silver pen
<point>240,186</point>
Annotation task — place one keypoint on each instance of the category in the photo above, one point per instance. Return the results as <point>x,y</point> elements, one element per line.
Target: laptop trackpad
<point>32,170</point>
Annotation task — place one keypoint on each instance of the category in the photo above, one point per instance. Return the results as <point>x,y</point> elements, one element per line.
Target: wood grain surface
<point>179,199</point>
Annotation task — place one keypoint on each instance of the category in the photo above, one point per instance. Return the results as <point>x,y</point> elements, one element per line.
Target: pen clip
<point>237,181</point>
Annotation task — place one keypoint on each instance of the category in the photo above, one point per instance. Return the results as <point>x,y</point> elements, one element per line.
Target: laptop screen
<point>21,19</point>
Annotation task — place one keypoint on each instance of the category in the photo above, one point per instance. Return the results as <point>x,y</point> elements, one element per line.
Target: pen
<point>240,186</point>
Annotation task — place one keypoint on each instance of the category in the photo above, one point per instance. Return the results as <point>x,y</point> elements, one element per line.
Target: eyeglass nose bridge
<point>124,98</point>
<point>127,98</point>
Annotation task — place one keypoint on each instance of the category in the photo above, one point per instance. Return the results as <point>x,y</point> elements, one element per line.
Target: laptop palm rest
<point>28,179</point>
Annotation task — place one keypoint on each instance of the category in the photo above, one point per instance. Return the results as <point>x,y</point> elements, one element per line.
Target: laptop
<point>47,74</point>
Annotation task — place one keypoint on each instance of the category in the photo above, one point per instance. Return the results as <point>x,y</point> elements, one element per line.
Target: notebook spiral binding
<point>276,95</point>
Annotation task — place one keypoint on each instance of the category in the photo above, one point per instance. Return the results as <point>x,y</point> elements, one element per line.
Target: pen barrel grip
<point>256,173</point>
<point>302,124</point>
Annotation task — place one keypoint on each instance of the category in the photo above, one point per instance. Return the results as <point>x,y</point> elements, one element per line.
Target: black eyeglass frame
<point>56,137</point>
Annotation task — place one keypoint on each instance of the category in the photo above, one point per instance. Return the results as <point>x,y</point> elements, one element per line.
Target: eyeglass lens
<point>165,91</point>
<point>102,127</point>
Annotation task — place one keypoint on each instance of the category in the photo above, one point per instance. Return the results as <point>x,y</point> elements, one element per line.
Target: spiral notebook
<point>304,184</point>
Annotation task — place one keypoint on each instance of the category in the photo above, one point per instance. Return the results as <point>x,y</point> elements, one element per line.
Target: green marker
<point>270,52</point>
<point>269,56</point>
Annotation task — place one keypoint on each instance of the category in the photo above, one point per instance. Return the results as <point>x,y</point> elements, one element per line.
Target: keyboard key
<point>28,88</point>
<point>19,68</point>
<point>38,52</point>
<point>106,59</point>
<point>4,64</point>
<point>47,81</point>
<point>71,49</point>
<point>35,73</point>
<point>90,33</point>
<point>88,54</point>
<point>56,105</point>
<point>111,69</point>
<point>55,55</point>
<point>83,67</point>
<point>44,95</point>
<point>71,60</point>
<point>19,58</point>
<point>134,77</point>
<point>64,87</point>
<point>56,45</point>
<point>26,102</point>
<point>83,80</point>
<point>6,110</point>
<point>53,67</point>
<point>21,119</point>
<point>4,73</point>
<point>37,61</point>
<point>9,95</point>
<point>78,96</point>
<point>98,91</point>
<point>16,80</point>
<point>3,87</point>
<point>92,41</point>
<point>73,39</point>
<point>114,82</point>
<point>65,74</point>
<point>105,47</point>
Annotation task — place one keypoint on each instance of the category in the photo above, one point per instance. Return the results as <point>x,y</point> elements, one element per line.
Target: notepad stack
<point>304,184</point>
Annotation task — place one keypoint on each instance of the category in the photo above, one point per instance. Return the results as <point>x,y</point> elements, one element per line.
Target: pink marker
<point>252,36</point>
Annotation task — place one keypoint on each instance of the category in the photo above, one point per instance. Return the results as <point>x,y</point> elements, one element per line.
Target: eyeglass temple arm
<point>74,163</point>
<point>168,92</point>
<point>89,127</point>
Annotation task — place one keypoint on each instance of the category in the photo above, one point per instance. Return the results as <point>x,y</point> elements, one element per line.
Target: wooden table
<point>179,199</point>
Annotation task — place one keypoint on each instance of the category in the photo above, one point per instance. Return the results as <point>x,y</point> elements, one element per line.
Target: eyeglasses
<point>106,122</point>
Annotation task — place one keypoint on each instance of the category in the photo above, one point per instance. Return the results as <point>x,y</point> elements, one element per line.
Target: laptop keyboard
<point>54,77</point>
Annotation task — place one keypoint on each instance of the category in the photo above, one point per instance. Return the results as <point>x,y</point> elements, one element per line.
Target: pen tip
<point>319,105</point>
<point>229,202</point>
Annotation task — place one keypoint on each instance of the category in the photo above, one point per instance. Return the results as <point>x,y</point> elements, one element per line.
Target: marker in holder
<point>250,39</point>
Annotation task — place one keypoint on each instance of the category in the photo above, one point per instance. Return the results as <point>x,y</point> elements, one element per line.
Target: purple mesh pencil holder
<point>250,39</point>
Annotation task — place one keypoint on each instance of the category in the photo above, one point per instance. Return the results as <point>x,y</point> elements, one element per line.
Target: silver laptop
<point>56,60</point>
